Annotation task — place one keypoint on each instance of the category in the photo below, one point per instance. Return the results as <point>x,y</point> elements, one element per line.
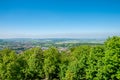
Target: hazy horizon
<point>64,36</point>
<point>59,18</point>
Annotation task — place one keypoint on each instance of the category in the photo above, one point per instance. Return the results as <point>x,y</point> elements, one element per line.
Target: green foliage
<point>9,68</point>
<point>111,60</point>
<point>51,63</point>
<point>78,63</point>
<point>94,62</point>
<point>64,61</point>
<point>34,63</point>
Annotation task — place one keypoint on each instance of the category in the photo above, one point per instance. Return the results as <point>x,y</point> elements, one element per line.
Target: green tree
<point>34,63</point>
<point>51,63</point>
<point>64,61</point>
<point>111,61</point>
<point>77,65</point>
<point>9,68</point>
<point>94,62</point>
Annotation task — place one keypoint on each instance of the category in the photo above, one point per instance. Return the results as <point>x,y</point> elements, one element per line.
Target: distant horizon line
<point>57,38</point>
<point>53,36</point>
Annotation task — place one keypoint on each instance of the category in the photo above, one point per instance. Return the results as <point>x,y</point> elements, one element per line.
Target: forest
<point>85,62</point>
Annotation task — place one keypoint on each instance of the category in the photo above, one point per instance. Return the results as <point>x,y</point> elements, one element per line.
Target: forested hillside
<point>78,63</point>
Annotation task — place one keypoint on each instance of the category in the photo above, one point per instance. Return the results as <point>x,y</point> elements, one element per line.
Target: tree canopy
<point>98,62</point>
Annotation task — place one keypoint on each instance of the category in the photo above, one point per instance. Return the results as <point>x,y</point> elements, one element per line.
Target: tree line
<point>84,62</point>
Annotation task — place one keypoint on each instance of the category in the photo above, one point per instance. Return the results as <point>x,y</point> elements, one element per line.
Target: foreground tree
<point>111,61</point>
<point>34,63</point>
<point>9,67</point>
<point>77,65</point>
<point>51,63</point>
<point>64,61</point>
<point>94,62</point>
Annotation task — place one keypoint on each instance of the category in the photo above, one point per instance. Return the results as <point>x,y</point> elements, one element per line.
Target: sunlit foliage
<point>98,62</point>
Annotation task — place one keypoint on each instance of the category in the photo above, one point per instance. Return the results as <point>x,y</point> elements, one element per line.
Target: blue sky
<point>59,18</point>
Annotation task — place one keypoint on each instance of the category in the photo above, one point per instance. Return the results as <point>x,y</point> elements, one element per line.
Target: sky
<point>59,18</point>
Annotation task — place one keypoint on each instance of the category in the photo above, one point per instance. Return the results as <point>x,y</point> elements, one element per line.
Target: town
<point>62,44</point>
